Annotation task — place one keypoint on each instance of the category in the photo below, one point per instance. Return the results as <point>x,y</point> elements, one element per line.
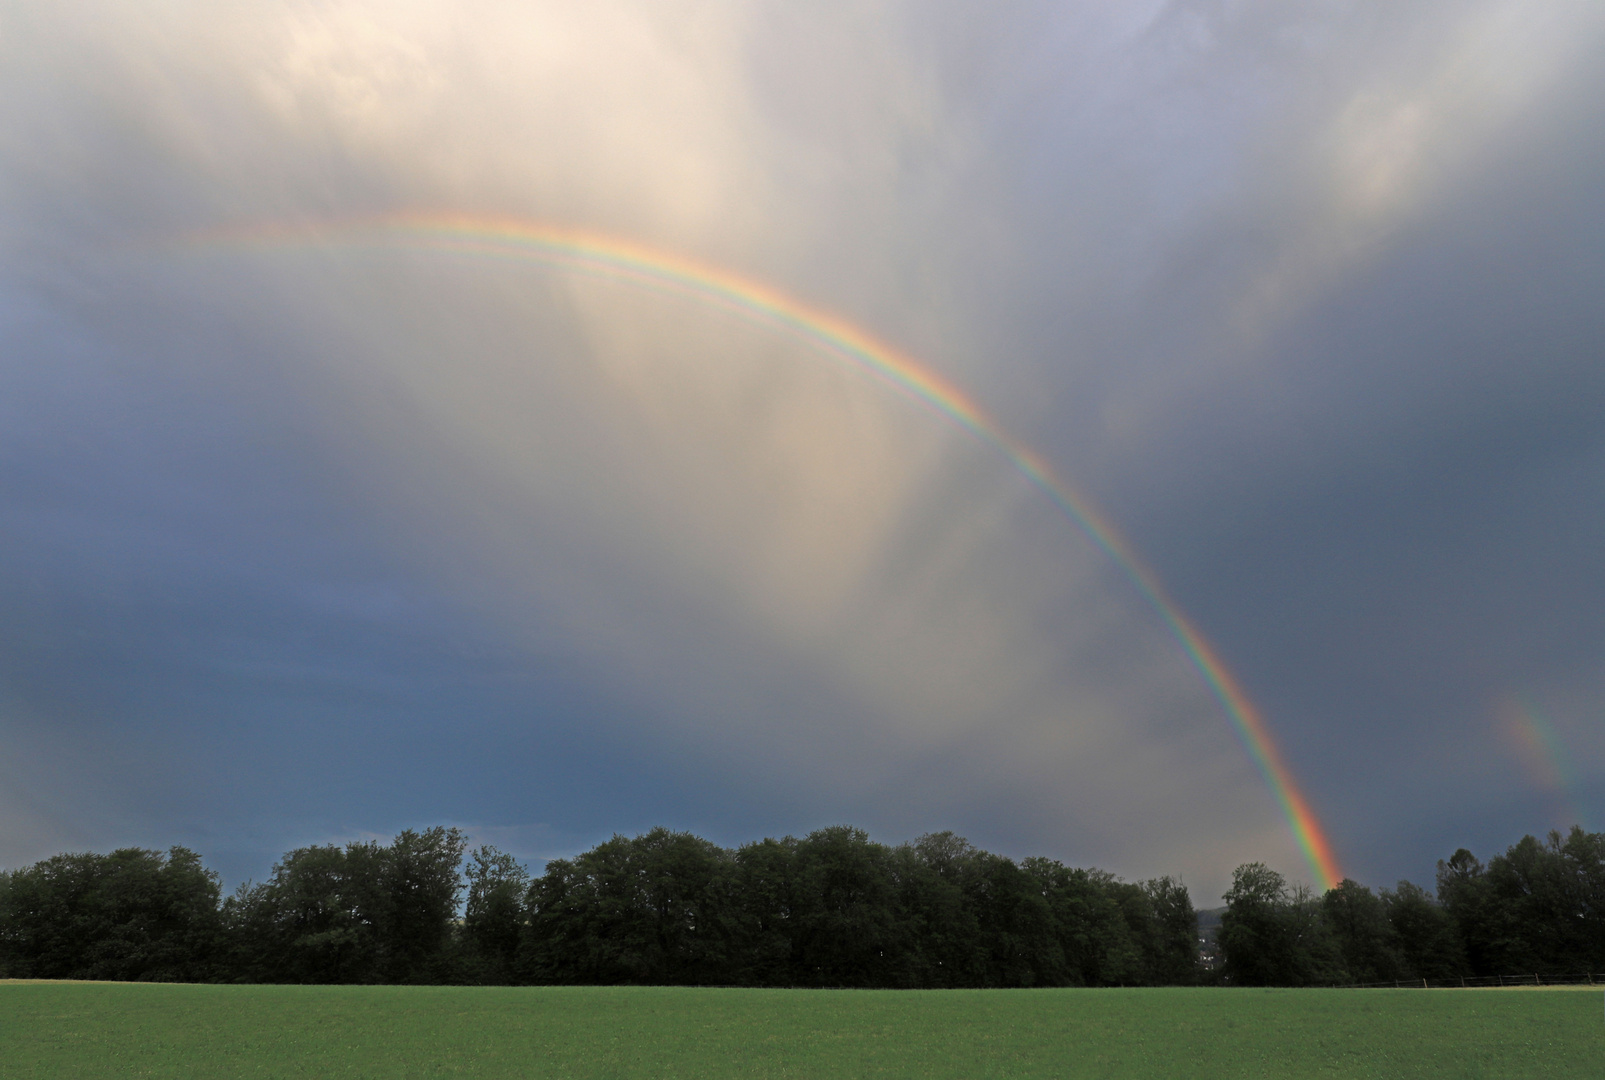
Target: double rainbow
<point>597,253</point>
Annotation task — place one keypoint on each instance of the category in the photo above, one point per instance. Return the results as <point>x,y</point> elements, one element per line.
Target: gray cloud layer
<point>318,541</point>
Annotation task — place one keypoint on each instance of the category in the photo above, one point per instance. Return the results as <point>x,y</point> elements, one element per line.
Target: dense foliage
<point>830,909</point>
<point>132,914</point>
<point>837,909</point>
<point>1539,908</point>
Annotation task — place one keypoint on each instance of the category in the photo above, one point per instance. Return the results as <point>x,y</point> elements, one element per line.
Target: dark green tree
<point>1253,933</point>
<point>1014,925</point>
<point>419,883</point>
<point>493,919</point>
<point>368,912</point>
<point>1364,935</point>
<point>846,930</point>
<point>1546,905</point>
<point>1426,937</point>
<point>654,909</point>
<point>131,915</point>
<point>936,881</point>
<point>764,886</point>
<point>1171,942</point>
<point>1271,935</point>
<point>1584,854</point>
<point>1091,924</point>
<point>312,921</point>
<point>1467,898</point>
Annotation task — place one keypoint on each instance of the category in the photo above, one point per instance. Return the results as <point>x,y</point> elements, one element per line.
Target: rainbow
<point>1537,737</point>
<point>597,253</point>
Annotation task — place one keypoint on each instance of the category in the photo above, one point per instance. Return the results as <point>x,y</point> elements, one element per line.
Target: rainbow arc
<point>626,260</point>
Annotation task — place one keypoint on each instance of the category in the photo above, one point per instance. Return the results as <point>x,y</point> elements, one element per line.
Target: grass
<point>128,1030</point>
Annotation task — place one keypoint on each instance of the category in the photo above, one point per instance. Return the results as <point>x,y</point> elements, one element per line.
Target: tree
<point>1274,936</point>
<point>653,909</point>
<point>1014,925</point>
<point>1426,937</point>
<point>1171,944</point>
<point>1253,934</point>
<point>1545,908</point>
<point>132,914</point>
<point>419,878</point>
<point>764,886</point>
<point>1366,939</point>
<point>8,933</point>
<point>1584,853</point>
<point>1092,927</point>
<point>493,919</point>
<point>1464,891</point>
<point>368,912</point>
<point>844,910</point>
<point>943,929</point>
<point>312,921</point>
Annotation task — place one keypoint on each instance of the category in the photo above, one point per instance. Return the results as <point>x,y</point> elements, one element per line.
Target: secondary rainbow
<point>1551,764</point>
<point>598,253</point>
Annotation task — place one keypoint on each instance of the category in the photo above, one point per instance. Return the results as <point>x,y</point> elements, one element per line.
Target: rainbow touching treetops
<point>577,249</point>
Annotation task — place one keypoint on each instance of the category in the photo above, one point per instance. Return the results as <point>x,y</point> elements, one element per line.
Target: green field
<point>110,1029</point>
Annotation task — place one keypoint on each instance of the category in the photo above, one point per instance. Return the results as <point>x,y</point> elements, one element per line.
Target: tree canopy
<point>833,908</point>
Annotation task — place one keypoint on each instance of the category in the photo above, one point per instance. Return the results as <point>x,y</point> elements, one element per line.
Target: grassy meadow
<point>125,1030</point>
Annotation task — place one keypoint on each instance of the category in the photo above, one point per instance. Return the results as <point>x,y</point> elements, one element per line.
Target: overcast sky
<point>315,541</point>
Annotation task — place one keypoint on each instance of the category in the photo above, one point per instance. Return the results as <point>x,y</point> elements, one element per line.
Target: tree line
<point>833,908</point>
<point>830,909</point>
<point>1536,909</point>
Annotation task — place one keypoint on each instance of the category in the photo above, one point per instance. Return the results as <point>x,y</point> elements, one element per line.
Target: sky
<point>316,525</point>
